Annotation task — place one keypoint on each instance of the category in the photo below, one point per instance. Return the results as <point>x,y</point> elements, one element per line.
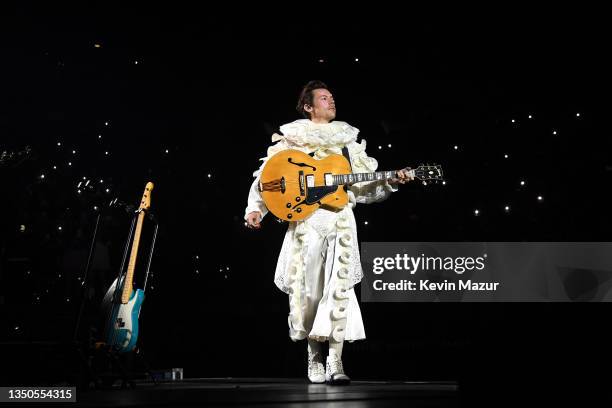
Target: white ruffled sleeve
<point>367,192</point>
<point>255,201</point>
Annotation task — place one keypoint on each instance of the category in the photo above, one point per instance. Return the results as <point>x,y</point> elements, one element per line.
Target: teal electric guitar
<point>121,331</point>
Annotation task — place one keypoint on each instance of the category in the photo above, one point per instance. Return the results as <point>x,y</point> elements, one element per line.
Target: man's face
<point>323,109</point>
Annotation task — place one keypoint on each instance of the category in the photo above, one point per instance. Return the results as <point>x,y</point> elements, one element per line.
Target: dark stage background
<point>188,98</point>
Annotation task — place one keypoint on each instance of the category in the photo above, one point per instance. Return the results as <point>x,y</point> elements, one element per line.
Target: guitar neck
<point>129,276</point>
<point>342,179</point>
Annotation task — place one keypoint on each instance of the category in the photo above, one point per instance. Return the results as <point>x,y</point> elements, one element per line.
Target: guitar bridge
<point>274,185</point>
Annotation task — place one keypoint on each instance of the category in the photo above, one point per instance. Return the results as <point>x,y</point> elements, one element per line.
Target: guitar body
<point>294,185</point>
<point>122,332</point>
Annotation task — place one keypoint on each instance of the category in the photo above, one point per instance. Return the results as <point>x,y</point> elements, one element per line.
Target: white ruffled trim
<point>307,136</point>
<point>361,162</point>
<point>340,295</point>
<point>295,284</point>
<point>306,133</point>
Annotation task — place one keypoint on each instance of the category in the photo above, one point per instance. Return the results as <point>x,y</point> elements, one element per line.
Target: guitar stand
<point>114,362</point>
<point>110,356</point>
<point>110,361</point>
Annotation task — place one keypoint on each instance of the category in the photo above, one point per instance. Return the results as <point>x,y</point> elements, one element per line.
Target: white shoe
<point>316,371</point>
<point>334,372</point>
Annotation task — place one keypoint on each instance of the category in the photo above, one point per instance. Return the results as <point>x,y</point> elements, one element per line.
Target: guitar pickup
<point>310,180</point>
<point>302,186</point>
<point>329,179</point>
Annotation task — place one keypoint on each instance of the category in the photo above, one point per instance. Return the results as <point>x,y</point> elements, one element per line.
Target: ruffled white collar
<point>306,133</point>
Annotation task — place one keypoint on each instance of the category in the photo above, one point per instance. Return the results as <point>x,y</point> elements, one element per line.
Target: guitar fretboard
<point>129,278</point>
<point>341,179</point>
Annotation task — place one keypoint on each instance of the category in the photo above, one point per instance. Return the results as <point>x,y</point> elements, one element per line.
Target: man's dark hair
<point>307,97</point>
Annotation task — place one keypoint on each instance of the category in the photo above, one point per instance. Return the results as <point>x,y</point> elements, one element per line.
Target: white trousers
<point>319,284</point>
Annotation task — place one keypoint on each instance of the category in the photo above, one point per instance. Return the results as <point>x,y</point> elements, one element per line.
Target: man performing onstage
<point>319,265</point>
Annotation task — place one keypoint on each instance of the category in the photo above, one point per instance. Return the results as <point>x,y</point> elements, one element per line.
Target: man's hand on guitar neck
<point>253,220</point>
<point>403,176</point>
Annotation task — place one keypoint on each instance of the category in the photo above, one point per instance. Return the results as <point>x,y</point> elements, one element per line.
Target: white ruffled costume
<point>319,265</point>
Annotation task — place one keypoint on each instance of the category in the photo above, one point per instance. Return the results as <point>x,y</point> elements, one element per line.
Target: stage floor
<point>262,392</point>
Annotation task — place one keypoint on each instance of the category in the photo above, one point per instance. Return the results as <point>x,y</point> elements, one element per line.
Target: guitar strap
<point>346,154</point>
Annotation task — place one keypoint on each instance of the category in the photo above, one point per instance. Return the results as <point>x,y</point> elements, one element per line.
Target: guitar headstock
<point>145,203</point>
<point>429,173</point>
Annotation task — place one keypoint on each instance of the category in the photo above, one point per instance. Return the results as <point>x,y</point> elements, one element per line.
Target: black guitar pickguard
<point>315,194</point>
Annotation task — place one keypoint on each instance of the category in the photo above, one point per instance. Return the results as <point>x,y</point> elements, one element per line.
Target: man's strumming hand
<point>253,220</point>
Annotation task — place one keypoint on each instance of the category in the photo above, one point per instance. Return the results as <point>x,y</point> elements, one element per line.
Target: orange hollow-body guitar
<point>294,185</point>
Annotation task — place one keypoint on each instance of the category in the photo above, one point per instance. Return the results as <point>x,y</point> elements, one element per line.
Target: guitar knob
<point>288,205</point>
<point>298,199</point>
<point>299,210</point>
<point>289,216</point>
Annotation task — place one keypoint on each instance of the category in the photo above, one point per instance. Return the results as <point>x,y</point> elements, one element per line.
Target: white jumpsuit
<point>319,265</point>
